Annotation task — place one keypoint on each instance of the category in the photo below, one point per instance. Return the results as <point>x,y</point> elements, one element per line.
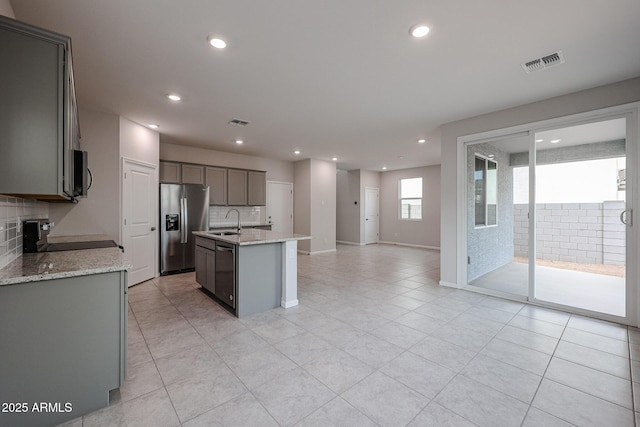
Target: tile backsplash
<point>249,215</point>
<point>13,210</point>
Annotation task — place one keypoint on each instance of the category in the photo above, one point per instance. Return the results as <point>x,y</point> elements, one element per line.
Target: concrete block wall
<point>613,234</point>
<point>573,232</point>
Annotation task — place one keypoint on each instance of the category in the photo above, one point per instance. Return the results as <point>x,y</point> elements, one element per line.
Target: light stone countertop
<point>57,265</point>
<point>231,225</point>
<point>253,237</point>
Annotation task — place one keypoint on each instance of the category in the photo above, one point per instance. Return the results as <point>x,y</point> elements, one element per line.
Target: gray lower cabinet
<point>206,264</point>
<point>64,343</point>
<point>257,275</point>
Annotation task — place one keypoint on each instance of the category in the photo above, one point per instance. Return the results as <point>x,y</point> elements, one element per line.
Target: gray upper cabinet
<point>38,118</point>
<point>237,187</point>
<point>216,180</point>
<point>227,187</point>
<point>192,174</point>
<point>257,188</point>
<point>170,173</point>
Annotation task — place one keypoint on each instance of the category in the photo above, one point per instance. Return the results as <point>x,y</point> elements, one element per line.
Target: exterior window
<point>486,191</point>
<point>411,198</point>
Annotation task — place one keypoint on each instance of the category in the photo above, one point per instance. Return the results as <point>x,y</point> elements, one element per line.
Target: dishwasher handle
<point>224,248</point>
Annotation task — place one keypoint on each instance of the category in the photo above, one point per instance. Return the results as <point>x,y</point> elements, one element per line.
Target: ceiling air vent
<point>547,61</point>
<point>238,122</point>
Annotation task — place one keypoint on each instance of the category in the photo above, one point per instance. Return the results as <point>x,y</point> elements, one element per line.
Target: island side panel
<point>62,342</point>
<point>259,278</point>
<point>289,274</point>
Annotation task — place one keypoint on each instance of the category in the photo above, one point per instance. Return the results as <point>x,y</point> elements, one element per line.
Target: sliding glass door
<point>548,217</point>
<point>580,194</point>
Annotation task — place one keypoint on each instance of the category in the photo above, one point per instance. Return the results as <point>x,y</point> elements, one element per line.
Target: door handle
<point>153,229</point>
<point>628,218</point>
<point>183,208</point>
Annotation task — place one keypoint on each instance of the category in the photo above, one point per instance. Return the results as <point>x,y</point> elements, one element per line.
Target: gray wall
<point>420,233</point>
<point>490,247</point>
<point>350,196</point>
<point>323,206</point>
<point>588,100</point>
<point>302,202</point>
<point>314,209</point>
<point>6,9</point>
<point>99,212</point>
<point>348,212</point>
<point>107,138</point>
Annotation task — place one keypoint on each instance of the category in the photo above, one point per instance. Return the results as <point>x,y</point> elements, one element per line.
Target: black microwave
<point>81,174</point>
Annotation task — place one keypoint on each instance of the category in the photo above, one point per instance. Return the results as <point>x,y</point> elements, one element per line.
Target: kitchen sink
<point>224,233</point>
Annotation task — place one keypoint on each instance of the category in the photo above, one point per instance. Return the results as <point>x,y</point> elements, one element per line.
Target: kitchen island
<point>249,271</point>
<point>63,329</point>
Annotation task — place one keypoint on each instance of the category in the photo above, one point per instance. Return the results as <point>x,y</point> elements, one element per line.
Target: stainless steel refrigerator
<point>184,208</point>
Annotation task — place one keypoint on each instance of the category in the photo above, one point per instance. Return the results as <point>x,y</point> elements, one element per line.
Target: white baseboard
<point>316,252</point>
<point>436,248</point>
<point>449,284</point>
<point>350,243</point>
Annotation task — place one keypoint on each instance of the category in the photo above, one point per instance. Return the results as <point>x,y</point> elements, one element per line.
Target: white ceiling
<point>333,78</point>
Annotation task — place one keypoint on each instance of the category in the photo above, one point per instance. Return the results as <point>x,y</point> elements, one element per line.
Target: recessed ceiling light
<point>174,97</point>
<point>154,126</point>
<point>539,140</point>
<point>384,168</point>
<point>335,159</point>
<point>419,30</point>
<point>216,42</point>
<point>422,141</point>
<point>239,141</point>
<point>555,141</point>
<point>296,152</point>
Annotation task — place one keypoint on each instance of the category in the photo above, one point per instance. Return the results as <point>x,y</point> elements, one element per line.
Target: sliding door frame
<point>630,113</point>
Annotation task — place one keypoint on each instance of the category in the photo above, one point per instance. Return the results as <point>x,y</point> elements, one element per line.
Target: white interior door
<point>371,215</point>
<point>139,205</point>
<point>280,206</point>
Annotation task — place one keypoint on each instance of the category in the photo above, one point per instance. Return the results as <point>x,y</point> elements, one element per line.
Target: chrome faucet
<point>238,212</point>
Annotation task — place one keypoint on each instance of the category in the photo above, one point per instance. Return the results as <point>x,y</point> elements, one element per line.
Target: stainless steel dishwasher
<point>226,273</point>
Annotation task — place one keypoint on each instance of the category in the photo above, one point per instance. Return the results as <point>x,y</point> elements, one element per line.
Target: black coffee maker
<point>34,234</point>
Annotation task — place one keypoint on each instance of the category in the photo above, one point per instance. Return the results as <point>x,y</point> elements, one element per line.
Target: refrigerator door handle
<point>185,221</point>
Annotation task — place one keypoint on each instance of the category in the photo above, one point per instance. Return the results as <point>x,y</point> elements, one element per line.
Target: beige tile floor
<point>374,341</point>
